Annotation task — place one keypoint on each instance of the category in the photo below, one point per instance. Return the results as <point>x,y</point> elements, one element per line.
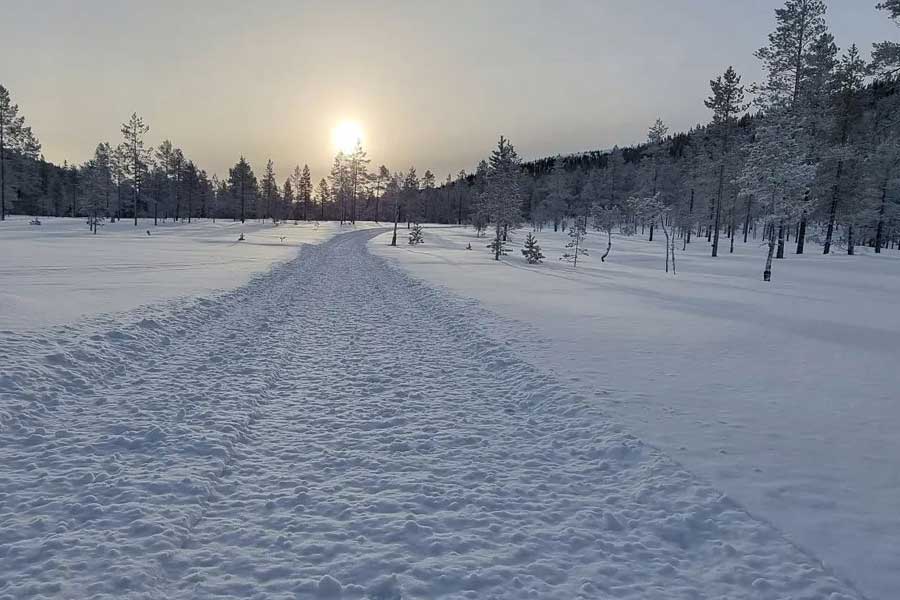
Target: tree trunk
<point>767,273</point>
<point>850,249</point>
<point>832,213</point>
<point>801,234</point>
<point>608,245</point>
<point>731,229</point>
<point>690,218</point>
<point>780,253</point>
<point>747,219</point>
<point>879,230</point>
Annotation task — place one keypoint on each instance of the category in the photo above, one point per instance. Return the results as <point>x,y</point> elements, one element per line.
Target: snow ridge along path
<point>338,429</point>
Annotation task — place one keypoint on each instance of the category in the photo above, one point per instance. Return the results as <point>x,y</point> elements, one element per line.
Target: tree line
<point>815,156</point>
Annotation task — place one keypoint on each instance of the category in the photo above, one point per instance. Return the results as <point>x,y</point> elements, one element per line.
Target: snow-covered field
<point>783,395</point>
<point>336,429</point>
<point>59,273</point>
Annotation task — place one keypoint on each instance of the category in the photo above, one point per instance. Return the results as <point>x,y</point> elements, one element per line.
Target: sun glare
<point>345,136</point>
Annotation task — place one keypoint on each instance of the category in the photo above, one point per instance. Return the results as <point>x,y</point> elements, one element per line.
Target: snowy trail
<point>337,429</point>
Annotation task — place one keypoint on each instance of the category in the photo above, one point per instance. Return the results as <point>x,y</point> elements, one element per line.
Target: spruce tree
<point>532,251</point>
<point>415,235</point>
<point>502,195</point>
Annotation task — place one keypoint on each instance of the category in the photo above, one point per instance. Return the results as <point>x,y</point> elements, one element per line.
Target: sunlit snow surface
<point>783,395</point>
<point>335,429</point>
<point>58,272</point>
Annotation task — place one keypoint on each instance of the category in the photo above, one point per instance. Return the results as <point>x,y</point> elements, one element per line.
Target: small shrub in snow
<point>531,251</point>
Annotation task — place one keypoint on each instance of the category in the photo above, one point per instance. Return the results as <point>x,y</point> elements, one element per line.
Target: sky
<point>432,83</point>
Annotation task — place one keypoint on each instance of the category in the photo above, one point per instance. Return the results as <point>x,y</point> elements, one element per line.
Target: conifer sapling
<point>415,235</point>
<point>532,251</point>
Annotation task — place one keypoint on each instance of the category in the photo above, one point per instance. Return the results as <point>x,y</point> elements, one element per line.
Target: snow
<point>336,429</point>
<point>58,272</point>
<point>782,395</point>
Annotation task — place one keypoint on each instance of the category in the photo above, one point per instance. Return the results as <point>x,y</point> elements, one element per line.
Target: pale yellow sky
<point>432,83</point>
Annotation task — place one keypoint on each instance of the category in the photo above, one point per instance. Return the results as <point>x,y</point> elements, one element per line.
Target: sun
<point>345,135</point>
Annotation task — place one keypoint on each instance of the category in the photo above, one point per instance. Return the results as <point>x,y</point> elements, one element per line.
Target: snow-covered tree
<point>847,83</point>
<point>415,235</point>
<point>798,25</point>
<point>778,173</point>
<point>575,245</point>
<point>605,218</point>
<point>532,251</point>
<point>726,102</point>
<point>502,195</point>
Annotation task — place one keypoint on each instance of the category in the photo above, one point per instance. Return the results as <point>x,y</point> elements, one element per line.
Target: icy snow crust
<point>336,429</point>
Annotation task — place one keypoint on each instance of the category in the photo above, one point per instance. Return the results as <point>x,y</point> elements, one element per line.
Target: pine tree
<point>305,191</point>
<point>287,195</point>
<point>16,137</point>
<point>847,84</point>
<point>798,25</point>
<point>411,197</point>
<point>242,185</point>
<point>498,247</point>
<point>532,251</point>
<point>381,182</point>
<point>726,102</point>
<point>575,245</point>
<point>178,162</point>
<point>190,182</point>
<point>503,194</point>
<point>415,235</point>
<point>133,132</point>
<point>886,55</point>
<point>98,178</point>
<point>270,192</point>
<point>427,194</point>
<point>165,159</point>
<point>776,171</point>
<point>322,196</point>
<point>358,174</point>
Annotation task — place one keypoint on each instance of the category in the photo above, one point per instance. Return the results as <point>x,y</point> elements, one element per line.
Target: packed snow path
<point>337,429</point>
